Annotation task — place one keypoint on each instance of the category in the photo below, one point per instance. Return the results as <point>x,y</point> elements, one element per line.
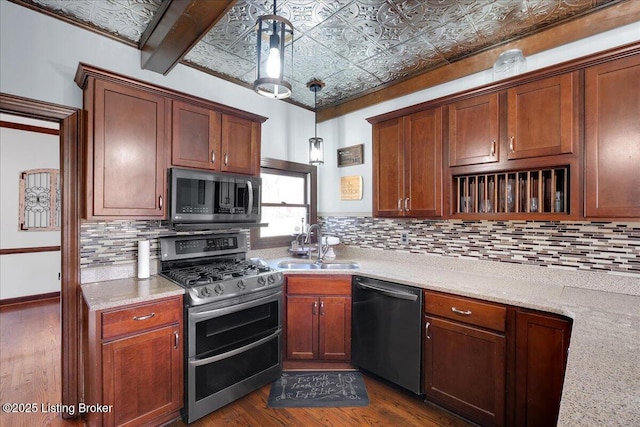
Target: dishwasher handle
<point>386,291</point>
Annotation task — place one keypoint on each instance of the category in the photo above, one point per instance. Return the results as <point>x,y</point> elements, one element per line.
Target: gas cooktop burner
<point>211,273</point>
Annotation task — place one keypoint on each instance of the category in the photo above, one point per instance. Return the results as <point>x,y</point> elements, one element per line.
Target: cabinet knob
<point>321,308</point>
<point>315,308</point>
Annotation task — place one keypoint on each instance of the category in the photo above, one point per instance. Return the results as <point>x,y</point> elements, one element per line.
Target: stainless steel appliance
<point>233,319</point>
<point>199,199</point>
<point>386,331</point>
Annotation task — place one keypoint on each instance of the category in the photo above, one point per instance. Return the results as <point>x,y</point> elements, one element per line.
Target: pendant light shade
<point>316,145</point>
<point>274,47</point>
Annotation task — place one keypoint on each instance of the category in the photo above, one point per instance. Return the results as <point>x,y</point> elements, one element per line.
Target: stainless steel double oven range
<point>233,318</point>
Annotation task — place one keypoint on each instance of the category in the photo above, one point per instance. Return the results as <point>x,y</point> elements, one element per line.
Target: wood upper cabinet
<point>473,130</point>
<point>407,177</point>
<point>612,134</point>
<point>196,134</point>
<point>464,354</point>
<point>208,139</point>
<point>240,146</point>
<point>541,349</point>
<point>134,363</point>
<point>125,151</point>
<point>318,319</point>
<point>541,117</point>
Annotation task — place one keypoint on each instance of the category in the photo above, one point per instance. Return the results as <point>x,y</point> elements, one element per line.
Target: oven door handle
<point>225,310</point>
<point>231,353</point>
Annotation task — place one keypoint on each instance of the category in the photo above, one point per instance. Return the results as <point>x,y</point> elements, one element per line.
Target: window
<point>288,201</point>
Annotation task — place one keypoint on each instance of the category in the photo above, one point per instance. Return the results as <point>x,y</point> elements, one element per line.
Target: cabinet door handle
<point>406,204</point>
<point>461,312</point>
<point>213,156</point>
<point>160,202</point>
<point>511,144</point>
<point>315,308</point>
<point>493,148</point>
<point>426,330</point>
<point>399,204</point>
<point>148,316</point>
<point>226,159</point>
<point>321,308</point>
<point>177,340</point>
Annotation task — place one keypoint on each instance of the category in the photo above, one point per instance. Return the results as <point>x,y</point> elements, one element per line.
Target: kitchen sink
<point>308,265</point>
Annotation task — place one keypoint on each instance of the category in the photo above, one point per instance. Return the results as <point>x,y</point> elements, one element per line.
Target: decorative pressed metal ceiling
<point>354,46</point>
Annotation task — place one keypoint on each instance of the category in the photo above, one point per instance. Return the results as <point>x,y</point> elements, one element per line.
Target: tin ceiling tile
<point>353,45</point>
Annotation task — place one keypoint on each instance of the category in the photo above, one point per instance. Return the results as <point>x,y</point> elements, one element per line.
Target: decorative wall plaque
<point>351,187</point>
<point>349,156</point>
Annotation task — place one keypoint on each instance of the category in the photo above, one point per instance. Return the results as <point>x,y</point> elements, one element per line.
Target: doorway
<point>70,122</point>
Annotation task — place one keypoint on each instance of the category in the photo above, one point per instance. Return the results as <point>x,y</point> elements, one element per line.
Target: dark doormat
<point>318,389</point>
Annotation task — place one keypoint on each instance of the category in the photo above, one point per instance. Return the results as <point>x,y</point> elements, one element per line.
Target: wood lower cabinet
<point>134,363</point>
<point>318,318</point>
<point>125,149</point>
<point>464,364</point>
<point>407,173</point>
<point>612,135</point>
<point>541,349</point>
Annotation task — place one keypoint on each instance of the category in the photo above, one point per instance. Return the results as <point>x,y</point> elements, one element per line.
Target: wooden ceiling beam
<point>176,28</point>
<point>588,25</point>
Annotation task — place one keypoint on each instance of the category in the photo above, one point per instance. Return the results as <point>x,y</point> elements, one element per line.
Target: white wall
<point>39,56</point>
<point>352,129</point>
<point>29,273</point>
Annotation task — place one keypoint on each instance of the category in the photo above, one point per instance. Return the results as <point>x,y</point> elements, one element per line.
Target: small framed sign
<point>349,156</point>
<point>351,187</point>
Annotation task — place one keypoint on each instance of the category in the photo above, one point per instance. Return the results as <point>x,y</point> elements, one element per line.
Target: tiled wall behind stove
<point>116,242</point>
<point>603,246</point>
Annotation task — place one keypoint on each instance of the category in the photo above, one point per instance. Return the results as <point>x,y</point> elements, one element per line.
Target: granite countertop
<point>114,293</point>
<point>602,380</point>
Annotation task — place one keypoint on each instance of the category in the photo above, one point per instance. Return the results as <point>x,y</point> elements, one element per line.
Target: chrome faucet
<point>319,237</point>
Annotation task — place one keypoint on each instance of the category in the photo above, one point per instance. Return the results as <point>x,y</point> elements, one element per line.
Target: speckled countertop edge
<point>115,293</point>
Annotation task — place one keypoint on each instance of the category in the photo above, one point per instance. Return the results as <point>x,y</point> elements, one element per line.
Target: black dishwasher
<point>386,331</point>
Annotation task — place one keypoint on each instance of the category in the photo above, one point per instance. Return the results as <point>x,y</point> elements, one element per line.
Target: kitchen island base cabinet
<point>318,318</point>
<point>134,363</point>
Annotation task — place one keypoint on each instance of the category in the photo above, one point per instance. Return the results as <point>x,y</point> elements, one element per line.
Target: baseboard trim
<point>29,298</point>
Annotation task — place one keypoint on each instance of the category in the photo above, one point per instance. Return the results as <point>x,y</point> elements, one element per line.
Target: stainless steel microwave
<point>202,197</point>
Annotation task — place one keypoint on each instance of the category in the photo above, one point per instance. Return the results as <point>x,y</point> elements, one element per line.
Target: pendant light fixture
<point>274,55</point>
<point>316,145</point>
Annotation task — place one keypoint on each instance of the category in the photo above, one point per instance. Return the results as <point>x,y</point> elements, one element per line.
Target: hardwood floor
<point>30,373</point>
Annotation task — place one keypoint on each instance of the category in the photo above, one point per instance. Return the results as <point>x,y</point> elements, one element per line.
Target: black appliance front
<point>387,332</point>
<point>231,351</point>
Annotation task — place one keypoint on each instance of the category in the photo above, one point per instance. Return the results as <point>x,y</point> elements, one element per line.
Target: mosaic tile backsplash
<point>599,246</point>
